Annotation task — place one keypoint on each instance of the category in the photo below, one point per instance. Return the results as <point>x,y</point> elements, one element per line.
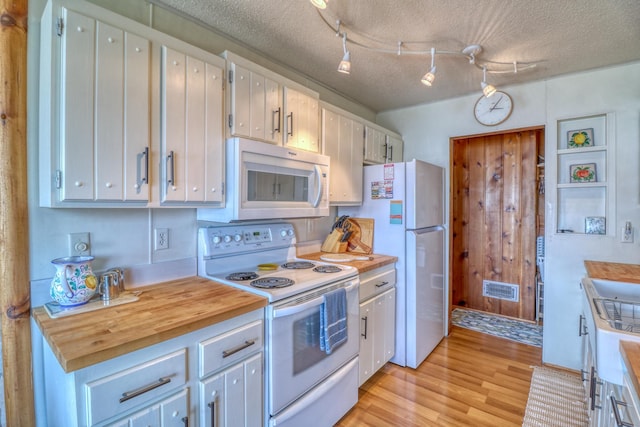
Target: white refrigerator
<point>406,201</point>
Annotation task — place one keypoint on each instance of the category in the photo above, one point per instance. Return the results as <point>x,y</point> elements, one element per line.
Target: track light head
<point>345,64</point>
<point>428,78</point>
<point>487,89</point>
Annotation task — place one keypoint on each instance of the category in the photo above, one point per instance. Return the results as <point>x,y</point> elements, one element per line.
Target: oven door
<point>295,363</point>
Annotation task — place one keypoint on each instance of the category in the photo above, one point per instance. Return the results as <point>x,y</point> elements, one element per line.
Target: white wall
<point>426,130</point>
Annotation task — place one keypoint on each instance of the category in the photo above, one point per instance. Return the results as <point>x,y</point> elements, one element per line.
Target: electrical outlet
<point>161,239</point>
<point>79,244</point>
<point>626,235</point>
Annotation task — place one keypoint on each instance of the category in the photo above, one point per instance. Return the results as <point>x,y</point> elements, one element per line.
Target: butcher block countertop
<point>630,352</point>
<point>164,311</point>
<point>613,271</point>
<point>362,266</point>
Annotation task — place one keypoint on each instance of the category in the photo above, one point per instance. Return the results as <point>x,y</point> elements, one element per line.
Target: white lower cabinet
<point>155,386</point>
<point>377,320</point>
<point>233,397</point>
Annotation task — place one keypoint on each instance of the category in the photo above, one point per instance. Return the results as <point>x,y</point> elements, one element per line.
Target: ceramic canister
<point>74,282</point>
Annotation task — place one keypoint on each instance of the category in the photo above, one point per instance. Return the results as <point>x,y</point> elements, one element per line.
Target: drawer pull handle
<point>379,285</point>
<point>212,407</point>
<point>131,394</point>
<point>241,347</point>
<point>185,420</point>
<point>616,412</point>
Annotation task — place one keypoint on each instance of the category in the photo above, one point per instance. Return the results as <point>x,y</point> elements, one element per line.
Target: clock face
<point>493,110</point>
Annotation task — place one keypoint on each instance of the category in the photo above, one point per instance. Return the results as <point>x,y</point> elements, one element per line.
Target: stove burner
<point>272,282</point>
<point>248,275</point>
<point>327,269</point>
<point>298,265</point>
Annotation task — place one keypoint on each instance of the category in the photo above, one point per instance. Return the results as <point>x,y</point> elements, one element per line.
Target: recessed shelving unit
<point>583,183</point>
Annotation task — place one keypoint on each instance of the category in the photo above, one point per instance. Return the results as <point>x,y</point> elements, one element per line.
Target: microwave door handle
<point>289,311</point>
<point>318,173</point>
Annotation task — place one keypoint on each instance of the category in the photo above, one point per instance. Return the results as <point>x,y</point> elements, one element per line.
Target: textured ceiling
<point>559,36</point>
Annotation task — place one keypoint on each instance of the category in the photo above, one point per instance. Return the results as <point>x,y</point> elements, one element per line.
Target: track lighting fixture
<point>428,78</point>
<point>487,89</point>
<point>345,64</point>
<point>399,48</point>
<point>320,4</point>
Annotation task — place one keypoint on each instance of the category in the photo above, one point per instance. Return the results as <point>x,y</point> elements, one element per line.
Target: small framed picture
<point>594,225</point>
<point>583,172</point>
<point>580,138</point>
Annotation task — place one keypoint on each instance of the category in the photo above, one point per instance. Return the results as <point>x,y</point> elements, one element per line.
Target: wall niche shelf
<point>582,186</point>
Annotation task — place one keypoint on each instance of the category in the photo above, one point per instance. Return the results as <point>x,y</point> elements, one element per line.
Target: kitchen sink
<point>615,310</point>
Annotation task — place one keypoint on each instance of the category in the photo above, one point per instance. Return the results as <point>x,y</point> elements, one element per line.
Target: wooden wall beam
<point>15,300</point>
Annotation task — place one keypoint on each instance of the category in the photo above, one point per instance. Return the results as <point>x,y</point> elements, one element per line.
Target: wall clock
<point>493,110</point>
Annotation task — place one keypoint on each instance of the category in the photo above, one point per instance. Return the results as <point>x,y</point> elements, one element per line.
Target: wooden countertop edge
<point>614,271</point>
<point>630,352</point>
<point>77,359</point>
<point>378,260</point>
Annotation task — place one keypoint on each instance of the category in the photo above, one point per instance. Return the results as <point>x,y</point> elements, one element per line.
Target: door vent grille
<point>505,291</point>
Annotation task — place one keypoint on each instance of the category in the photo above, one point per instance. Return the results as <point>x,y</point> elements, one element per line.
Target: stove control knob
<point>237,237</point>
<point>290,232</point>
<point>227,238</point>
<point>283,233</point>
<point>216,240</point>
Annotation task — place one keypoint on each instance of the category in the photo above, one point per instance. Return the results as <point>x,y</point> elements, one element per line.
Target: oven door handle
<point>294,309</point>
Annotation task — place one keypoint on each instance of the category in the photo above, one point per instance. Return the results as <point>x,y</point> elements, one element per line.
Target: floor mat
<point>512,329</point>
<point>556,399</point>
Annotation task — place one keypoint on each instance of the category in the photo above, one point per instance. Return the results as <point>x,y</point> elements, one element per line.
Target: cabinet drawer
<point>228,348</point>
<point>377,282</point>
<point>140,384</point>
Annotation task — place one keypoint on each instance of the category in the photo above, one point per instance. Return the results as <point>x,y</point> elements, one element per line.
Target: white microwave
<point>265,181</point>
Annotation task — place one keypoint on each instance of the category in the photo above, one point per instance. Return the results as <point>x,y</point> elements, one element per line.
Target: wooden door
<point>493,220</point>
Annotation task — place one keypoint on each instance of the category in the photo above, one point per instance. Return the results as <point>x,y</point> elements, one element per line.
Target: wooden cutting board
<point>613,271</point>
<point>361,240</point>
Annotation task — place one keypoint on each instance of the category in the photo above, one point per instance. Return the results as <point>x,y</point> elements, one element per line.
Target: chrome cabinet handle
<point>145,179</point>
<point>212,407</point>
<point>391,155</point>
<point>290,124</point>
<point>273,127</point>
<point>385,149</point>
<point>171,160</point>
<point>379,285</point>
<point>583,374</point>
<point>246,344</point>
<point>582,328</point>
<point>185,420</point>
<point>135,393</point>
<point>366,322</point>
<point>616,413</point>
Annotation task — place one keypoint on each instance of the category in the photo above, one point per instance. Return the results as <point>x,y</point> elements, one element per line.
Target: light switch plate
<point>79,244</point>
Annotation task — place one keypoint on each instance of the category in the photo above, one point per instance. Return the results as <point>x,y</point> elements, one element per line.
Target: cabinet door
<point>394,149</point>
<point>173,123</point>
<point>257,107</point>
<point>174,411</point>
<point>241,101</point>
<point>292,114</point>
<point>214,134</point>
<point>375,146</point>
<point>388,331</point>
<point>365,358</point>
<point>136,113</point>
<point>193,163</point>
<point>77,101</point>
<point>234,401</point>
<point>109,88</point>
<point>146,417</point>
<point>254,413</point>
<point>274,112</point>
<point>212,399</point>
<point>331,144</point>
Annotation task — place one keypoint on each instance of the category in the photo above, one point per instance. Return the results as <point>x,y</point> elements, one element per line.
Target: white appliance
<point>265,181</point>
<point>406,201</point>
<point>303,382</point>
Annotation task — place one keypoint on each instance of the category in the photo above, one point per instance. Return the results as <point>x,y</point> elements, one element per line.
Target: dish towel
<point>333,320</point>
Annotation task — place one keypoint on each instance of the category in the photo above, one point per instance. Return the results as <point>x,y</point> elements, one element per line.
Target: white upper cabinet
<point>343,141</point>
<point>94,108</point>
<point>192,136</point>
<point>268,107</point>
<point>382,146</point>
<point>117,96</point>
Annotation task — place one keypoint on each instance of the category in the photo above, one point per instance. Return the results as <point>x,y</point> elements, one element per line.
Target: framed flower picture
<point>584,172</point>
<point>580,138</point>
<point>594,225</point>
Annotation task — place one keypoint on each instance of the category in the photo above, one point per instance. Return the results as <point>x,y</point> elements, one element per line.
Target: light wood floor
<point>470,379</point>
